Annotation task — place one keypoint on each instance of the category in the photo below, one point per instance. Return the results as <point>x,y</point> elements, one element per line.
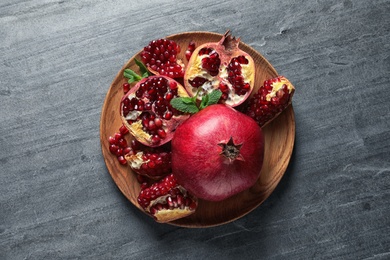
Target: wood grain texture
<point>279,142</point>
<point>57,61</point>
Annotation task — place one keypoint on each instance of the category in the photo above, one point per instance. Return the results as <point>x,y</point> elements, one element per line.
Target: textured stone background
<point>58,200</point>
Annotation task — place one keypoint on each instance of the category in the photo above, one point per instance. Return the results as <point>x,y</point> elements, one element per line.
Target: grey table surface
<point>58,59</point>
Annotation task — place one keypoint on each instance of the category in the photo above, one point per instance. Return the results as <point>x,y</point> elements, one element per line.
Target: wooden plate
<point>279,142</point>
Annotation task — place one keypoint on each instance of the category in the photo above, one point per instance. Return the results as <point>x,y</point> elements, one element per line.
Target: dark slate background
<point>58,59</point>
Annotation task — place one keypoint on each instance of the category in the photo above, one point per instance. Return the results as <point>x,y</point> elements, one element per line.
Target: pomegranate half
<point>147,113</point>
<point>221,65</point>
<point>218,152</point>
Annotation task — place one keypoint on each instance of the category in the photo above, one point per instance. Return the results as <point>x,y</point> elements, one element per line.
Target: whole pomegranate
<point>217,153</point>
<point>147,113</point>
<point>221,65</point>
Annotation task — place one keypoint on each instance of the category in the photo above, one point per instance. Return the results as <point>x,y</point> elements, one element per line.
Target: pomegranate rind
<point>198,164</point>
<point>136,128</point>
<point>194,69</point>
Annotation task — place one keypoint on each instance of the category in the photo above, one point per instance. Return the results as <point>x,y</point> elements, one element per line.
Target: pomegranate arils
<point>212,62</point>
<point>149,104</point>
<point>161,56</point>
<point>198,82</point>
<point>150,162</point>
<point>166,200</point>
<point>270,100</point>
<point>190,50</point>
<point>118,145</point>
<point>235,76</point>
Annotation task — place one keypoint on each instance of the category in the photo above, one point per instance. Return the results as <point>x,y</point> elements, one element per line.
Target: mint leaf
<point>204,102</point>
<point>182,104</point>
<point>188,100</point>
<point>188,104</point>
<point>213,97</point>
<point>131,75</point>
<point>144,71</point>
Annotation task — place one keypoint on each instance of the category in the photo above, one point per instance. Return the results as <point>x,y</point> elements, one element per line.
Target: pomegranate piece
<point>166,200</point>
<point>221,65</point>
<point>160,56</point>
<point>147,113</point>
<point>151,162</point>
<point>217,152</point>
<point>270,100</point>
<point>118,145</point>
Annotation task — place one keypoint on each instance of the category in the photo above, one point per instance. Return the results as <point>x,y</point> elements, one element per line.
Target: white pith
<point>135,161</point>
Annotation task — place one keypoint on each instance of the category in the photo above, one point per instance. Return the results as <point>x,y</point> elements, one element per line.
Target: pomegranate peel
<point>274,96</point>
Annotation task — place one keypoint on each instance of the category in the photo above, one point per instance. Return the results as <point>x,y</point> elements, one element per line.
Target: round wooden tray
<point>279,142</point>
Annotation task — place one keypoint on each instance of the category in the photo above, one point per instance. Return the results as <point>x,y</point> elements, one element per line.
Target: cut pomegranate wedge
<point>152,162</point>
<point>147,113</point>
<point>166,200</point>
<point>270,100</point>
<point>160,56</point>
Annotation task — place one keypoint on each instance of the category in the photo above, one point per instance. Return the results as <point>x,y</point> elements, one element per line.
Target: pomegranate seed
<point>156,139</point>
<point>159,55</point>
<point>126,87</point>
<point>161,133</point>
<point>158,122</point>
<point>113,148</point>
<point>122,160</point>
<point>168,115</point>
<point>172,85</point>
<point>112,140</point>
<point>127,150</point>
<point>119,151</point>
<point>117,136</point>
<point>123,130</point>
<point>122,142</point>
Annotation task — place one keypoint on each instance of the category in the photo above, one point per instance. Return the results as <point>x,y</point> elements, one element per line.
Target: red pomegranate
<point>147,113</point>
<point>221,65</point>
<point>218,152</point>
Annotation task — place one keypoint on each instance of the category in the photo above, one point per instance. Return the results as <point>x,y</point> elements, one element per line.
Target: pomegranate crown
<point>229,42</point>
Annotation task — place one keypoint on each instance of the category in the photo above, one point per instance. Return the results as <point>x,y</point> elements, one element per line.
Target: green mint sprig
<point>189,104</point>
<point>134,76</point>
